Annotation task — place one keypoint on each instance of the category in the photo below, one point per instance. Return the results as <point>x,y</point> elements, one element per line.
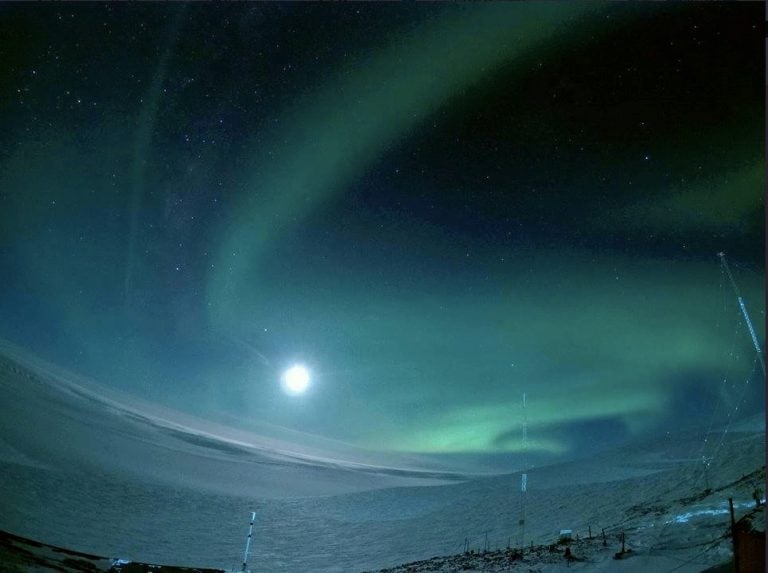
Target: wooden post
<point>605,542</point>
<point>733,537</point>
<point>590,532</point>
<point>623,538</point>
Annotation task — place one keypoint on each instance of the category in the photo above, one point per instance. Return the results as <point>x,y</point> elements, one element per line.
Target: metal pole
<point>752,333</point>
<point>523,478</point>
<point>733,536</point>
<point>248,541</point>
<point>743,308</point>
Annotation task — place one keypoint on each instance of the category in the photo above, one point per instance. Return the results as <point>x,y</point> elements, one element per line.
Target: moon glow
<point>296,380</point>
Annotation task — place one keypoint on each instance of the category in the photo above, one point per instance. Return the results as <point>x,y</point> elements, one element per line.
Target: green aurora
<point>411,213</point>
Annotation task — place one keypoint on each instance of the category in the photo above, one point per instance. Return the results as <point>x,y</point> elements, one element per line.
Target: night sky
<point>434,208</point>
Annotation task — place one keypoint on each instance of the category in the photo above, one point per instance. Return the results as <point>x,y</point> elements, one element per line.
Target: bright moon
<point>296,380</point>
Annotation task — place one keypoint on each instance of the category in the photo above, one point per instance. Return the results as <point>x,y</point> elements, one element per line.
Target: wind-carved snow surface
<point>80,470</point>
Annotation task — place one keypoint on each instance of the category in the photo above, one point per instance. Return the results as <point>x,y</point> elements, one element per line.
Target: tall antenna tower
<point>743,308</point>
<point>523,477</point>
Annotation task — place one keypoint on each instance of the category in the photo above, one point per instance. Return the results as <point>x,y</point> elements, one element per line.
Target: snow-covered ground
<point>82,471</point>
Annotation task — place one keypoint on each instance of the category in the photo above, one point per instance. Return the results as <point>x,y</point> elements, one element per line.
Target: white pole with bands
<point>248,542</point>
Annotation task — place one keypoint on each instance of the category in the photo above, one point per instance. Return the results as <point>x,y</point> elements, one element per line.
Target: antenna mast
<point>523,478</point>
<point>743,308</point>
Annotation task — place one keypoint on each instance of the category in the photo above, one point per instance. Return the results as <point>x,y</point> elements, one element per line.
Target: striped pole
<point>248,541</point>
